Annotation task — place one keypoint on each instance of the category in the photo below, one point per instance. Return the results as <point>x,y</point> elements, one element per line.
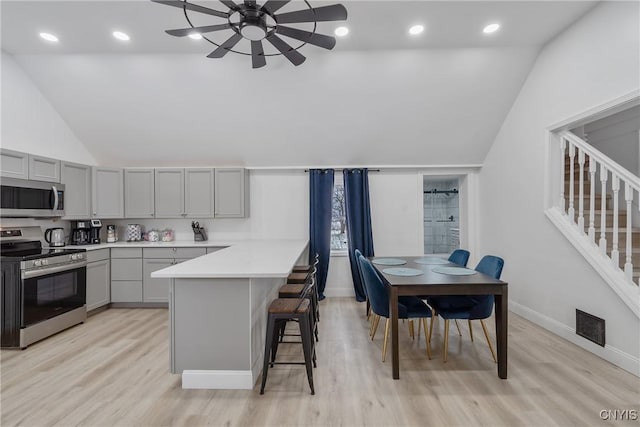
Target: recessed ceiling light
<point>195,36</point>
<point>491,28</point>
<point>416,29</point>
<point>121,36</point>
<point>49,37</point>
<point>341,31</point>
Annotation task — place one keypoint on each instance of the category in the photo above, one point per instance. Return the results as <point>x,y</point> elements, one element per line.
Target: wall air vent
<point>590,327</point>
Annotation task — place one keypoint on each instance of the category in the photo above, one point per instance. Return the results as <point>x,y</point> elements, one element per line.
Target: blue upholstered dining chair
<point>470,307</point>
<point>460,257</point>
<point>408,308</point>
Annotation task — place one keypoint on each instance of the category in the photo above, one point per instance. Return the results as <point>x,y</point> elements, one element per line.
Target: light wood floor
<point>113,370</point>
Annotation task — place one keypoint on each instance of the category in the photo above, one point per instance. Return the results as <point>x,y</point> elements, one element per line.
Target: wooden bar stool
<point>283,310</point>
<point>307,290</point>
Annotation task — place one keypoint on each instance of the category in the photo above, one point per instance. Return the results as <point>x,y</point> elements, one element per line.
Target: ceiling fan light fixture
<point>248,21</point>
<point>491,28</point>
<point>49,37</point>
<point>341,31</point>
<point>416,29</point>
<point>121,36</point>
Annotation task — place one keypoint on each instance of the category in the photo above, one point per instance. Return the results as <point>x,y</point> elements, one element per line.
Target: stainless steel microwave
<point>22,198</point>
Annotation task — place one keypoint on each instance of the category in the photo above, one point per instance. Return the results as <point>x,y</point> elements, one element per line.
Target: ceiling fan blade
<point>272,6</point>
<point>197,30</point>
<point>230,4</point>
<point>335,12</point>
<point>224,47</point>
<point>315,39</point>
<point>292,55</point>
<point>257,54</point>
<point>192,7</point>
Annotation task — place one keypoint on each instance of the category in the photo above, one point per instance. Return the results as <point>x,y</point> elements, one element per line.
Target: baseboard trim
<point>339,292</point>
<point>217,380</point>
<point>611,354</point>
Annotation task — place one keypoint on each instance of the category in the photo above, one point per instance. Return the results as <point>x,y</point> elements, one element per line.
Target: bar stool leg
<point>267,347</point>
<point>307,343</point>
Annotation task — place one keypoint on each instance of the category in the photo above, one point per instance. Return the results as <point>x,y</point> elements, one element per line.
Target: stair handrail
<point>611,165</point>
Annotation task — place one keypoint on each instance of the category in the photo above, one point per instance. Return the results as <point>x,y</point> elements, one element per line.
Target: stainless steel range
<point>43,290</point>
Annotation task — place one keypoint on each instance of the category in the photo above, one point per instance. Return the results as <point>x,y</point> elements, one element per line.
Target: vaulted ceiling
<point>380,97</point>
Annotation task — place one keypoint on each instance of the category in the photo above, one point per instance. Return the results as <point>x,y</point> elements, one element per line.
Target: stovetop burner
<point>26,250</point>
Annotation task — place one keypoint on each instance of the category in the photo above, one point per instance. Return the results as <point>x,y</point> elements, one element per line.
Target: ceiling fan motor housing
<point>253,26</point>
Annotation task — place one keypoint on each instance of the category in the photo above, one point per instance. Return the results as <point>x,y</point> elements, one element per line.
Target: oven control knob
<point>45,262</point>
<point>37,263</point>
<point>80,256</point>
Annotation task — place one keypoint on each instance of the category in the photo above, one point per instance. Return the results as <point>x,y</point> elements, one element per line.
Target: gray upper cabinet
<point>14,164</point>
<point>231,193</point>
<point>77,196</point>
<point>169,193</point>
<point>107,192</point>
<point>139,193</point>
<point>44,169</point>
<point>198,198</point>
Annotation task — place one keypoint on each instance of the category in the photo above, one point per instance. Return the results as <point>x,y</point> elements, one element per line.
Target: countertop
<point>242,259</point>
<point>145,244</point>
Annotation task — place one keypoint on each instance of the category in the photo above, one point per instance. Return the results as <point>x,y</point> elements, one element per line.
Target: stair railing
<point>573,146</point>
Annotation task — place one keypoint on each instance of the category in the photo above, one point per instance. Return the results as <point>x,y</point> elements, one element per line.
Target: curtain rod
<point>340,169</point>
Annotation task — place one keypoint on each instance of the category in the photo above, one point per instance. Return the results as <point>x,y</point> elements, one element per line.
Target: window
<point>338,217</point>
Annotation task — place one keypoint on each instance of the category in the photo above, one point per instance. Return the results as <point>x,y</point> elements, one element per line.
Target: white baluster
<point>603,211</point>
<point>572,154</point>
<point>592,199</point>
<point>628,265</point>
<point>581,192</point>
<point>562,172</point>
<point>615,253</point>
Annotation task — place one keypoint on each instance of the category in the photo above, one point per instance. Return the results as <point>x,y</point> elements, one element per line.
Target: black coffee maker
<point>94,232</point>
<point>80,232</point>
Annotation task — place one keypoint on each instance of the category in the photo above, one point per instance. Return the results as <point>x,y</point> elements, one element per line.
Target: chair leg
<point>368,309</point>
<point>307,348</point>
<point>457,326</point>
<point>486,334</point>
<point>411,332</point>
<point>426,338</point>
<point>433,316</point>
<point>419,326</point>
<point>446,340</point>
<point>386,338</point>
<point>376,321</point>
<point>470,329</point>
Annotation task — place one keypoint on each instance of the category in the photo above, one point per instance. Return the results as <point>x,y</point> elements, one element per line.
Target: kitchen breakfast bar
<point>218,310</point>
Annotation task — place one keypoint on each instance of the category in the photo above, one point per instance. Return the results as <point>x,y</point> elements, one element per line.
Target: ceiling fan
<point>251,21</point>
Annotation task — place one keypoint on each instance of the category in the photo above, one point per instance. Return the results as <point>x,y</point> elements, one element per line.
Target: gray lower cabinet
<point>44,169</point>
<point>126,275</point>
<point>139,193</point>
<point>169,193</point>
<point>98,279</point>
<point>77,196</point>
<point>107,190</point>
<point>157,290</point>
<point>231,193</point>
<point>14,164</point>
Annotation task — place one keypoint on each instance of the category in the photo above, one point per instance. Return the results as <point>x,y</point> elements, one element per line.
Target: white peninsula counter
<point>218,310</point>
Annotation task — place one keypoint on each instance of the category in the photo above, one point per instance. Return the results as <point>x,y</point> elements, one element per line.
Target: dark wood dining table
<point>431,283</point>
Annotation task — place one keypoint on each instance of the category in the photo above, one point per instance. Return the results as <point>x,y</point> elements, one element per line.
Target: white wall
<point>593,62</point>
<point>617,137</point>
<point>29,123</point>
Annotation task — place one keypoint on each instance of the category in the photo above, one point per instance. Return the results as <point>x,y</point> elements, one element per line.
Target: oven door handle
<point>50,270</point>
